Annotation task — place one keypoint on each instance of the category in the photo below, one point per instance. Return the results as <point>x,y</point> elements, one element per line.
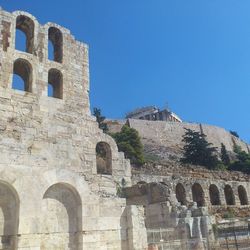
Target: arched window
<point>229,195</point>
<point>180,194</point>
<point>214,195</point>
<point>55,83</point>
<point>55,46</point>
<point>22,75</point>
<point>242,195</point>
<point>24,34</point>
<point>198,195</point>
<point>103,158</point>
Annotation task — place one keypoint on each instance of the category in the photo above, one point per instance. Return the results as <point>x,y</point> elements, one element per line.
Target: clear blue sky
<point>193,55</point>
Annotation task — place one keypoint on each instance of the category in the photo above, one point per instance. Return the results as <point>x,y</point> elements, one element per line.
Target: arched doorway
<point>9,217</point>
<point>214,195</point>
<point>229,195</point>
<point>62,218</point>
<point>198,195</point>
<point>242,195</point>
<point>180,194</point>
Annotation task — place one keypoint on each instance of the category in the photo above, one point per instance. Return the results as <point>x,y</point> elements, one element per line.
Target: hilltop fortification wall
<point>164,139</point>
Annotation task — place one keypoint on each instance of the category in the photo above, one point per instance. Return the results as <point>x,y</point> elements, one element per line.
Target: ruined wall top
<point>44,131</point>
<point>67,72</point>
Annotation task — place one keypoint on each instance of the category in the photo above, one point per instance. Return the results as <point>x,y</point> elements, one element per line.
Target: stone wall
<point>188,201</point>
<point>51,196</point>
<point>164,139</point>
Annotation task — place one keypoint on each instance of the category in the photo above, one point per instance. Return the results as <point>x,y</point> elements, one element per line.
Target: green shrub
<point>152,158</point>
<point>198,151</point>
<point>129,142</point>
<point>229,214</point>
<point>221,166</point>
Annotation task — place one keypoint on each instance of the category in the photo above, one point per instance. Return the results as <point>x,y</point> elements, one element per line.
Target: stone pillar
<point>188,189</point>
<point>236,194</point>
<point>196,230</point>
<point>206,196</point>
<point>222,195</point>
<point>137,233</point>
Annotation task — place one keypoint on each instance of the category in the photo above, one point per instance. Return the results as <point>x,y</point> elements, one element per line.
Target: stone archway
<point>198,195</point>
<point>242,195</point>
<point>9,217</point>
<point>214,195</point>
<point>56,38</point>
<point>103,158</point>
<point>26,25</point>
<point>180,194</point>
<point>22,69</point>
<point>229,195</point>
<point>62,218</point>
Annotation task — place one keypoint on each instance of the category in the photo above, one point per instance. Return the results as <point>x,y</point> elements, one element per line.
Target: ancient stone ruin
<point>152,113</point>
<point>63,183</point>
<point>59,172</point>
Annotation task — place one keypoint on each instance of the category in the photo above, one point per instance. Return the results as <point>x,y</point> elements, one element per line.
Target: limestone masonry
<point>63,183</point>
<point>164,139</point>
<point>51,194</point>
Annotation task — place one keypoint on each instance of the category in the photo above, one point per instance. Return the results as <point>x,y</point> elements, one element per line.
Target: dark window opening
<point>229,195</point>
<point>103,158</point>
<point>55,46</point>
<point>180,194</point>
<point>242,195</point>
<point>198,195</point>
<point>214,195</point>
<point>55,84</point>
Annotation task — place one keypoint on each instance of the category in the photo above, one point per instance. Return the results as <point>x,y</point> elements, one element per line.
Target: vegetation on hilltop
<point>127,140</point>
<point>198,151</point>
<point>242,163</point>
<point>234,133</point>
<point>224,155</point>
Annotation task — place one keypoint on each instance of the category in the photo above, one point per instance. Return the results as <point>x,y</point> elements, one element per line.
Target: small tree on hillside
<point>234,133</point>
<point>236,148</point>
<point>100,119</point>
<point>129,142</point>
<point>243,161</point>
<point>224,155</point>
<point>198,151</point>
